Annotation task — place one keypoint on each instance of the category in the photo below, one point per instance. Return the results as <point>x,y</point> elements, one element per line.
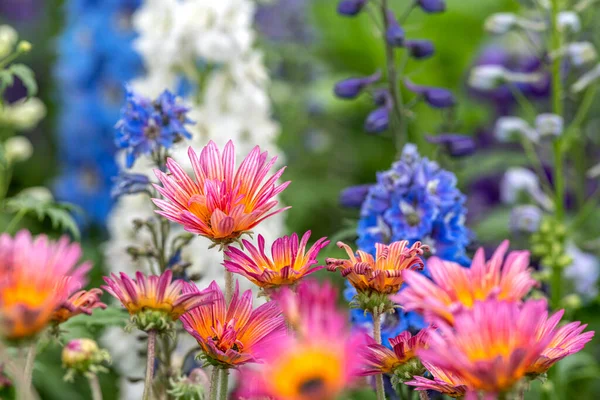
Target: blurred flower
<point>563,341</point>
<point>145,125</point>
<point>82,302</point>
<point>394,34</point>
<point>38,275</point>
<point>353,196</point>
<point>568,21</point>
<point>379,359</point>
<point>352,87</point>
<point>586,79</point>
<point>435,97</point>
<point>549,125</point>
<point>491,346</point>
<point>432,6</point>
<point>222,204</point>
<point>378,120</point>
<point>290,260</point>
<point>83,356</point>
<point>508,128</point>
<point>584,271</point>
<point>517,181</point>
<point>580,53</point>
<point>382,273</point>
<point>456,145</point>
<point>23,115</point>
<point>319,362</point>
<point>17,149</point>
<point>487,77</point>
<point>233,335</point>
<point>350,7</point>
<point>192,386</point>
<point>8,39</point>
<point>419,48</point>
<point>444,382</point>
<point>126,183</point>
<point>155,301</point>
<point>454,288</point>
<point>500,23</point>
<point>525,218</point>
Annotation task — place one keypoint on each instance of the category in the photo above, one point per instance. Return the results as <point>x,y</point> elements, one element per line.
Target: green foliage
<point>26,75</point>
<point>111,316</point>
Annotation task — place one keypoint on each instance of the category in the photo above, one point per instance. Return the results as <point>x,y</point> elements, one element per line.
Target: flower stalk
<point>95,387</point>
<point>29,364</point>
<point>377,336</point>
<point>214,384</point>
<point>149,365</point>
<point>224,377</point>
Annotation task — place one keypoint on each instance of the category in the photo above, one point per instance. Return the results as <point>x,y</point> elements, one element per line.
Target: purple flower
<point>129,184</point>
<point>435,97</point>
<point>353,196</point>
<point>350,7</point>
<point>432,6</point>
<point>350,88</point>
<point>394,34</point>
<point>378,120</point>
<point>455,144</point>
<point>420,48</point>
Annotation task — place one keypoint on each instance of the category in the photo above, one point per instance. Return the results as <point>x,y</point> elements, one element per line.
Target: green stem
<point>214,383</point>
<point>377,336</point>
<point>29,364</point>
<point>224,384</point>
<point>95,387</point>
<point>149,365</point>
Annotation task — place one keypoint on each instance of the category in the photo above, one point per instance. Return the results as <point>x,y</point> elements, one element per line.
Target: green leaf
<point>6,80</point>
<point>27,76</point>
<point>111,316</point>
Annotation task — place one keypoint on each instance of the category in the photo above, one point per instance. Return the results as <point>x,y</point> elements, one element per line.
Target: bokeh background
<point>307,47</point>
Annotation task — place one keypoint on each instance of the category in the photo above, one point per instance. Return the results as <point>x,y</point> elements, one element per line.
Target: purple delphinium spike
<point>432,6</point>
<point>350,88</point>
<point>353,196</point>
<point>350,7</point>
<point>456,145</point>
<point>419,48</point>
<point>394,34</point>
<point>435,97</point>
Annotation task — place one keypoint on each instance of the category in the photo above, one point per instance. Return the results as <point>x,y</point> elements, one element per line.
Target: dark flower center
<point>152,132</point>
<point>312,386</point>
<point>413,219</point>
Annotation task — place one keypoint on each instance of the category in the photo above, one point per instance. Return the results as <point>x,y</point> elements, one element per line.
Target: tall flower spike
<point>82,302</point>
<point>491,346</point>
<point>233,335</point>
<point>289,262</point>
<point>564,341</point>
<point>222,203</point>
<point>154,302</point>
<point>38,275</point>
<point>454,287</point>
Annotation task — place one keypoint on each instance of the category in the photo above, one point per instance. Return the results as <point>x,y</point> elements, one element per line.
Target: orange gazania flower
<point>82,302</point>
<point>289,262</point>
<point>160,294</point>
<point>491,346</point>
<point>38,275</point>
<point>454,287</point>
<point>382,274</point>
<point>222,203</point>
<point>233,335</point>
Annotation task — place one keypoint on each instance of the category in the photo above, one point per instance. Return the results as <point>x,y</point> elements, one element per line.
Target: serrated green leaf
<point>26,75</point>
<point>6,80</point>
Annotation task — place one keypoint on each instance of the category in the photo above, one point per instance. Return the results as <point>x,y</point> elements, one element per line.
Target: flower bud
<point>8,38</point>
<point>354,196</point>
<point>525,218</point>
<point>432,6</point>
<point>350,7</point>
<point>38,193</point>
<point>508,128</point>
<point>456,145</point>
<point>515,181</point>
<point>394,34</point>
<point>549,125</point>
<point>378,120</point>
<point>190,387</point>
<point>83,356</point>
<point>17,149</point>
<point>581,53</point>
<point>435,97</point>
<point>23,115</point>
<point>24,46</point>
<point>420,48</point>
<point>487,77</point>
<point>350,88</point>
<point>500,23</point>
<point>568,21</point>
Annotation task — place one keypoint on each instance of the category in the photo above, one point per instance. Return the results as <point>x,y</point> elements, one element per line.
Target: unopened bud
<point>549,125</point>
<point>17,149</point>
<point>487,77</point>
<point>510,128</point>
<point>500,23</point>
<point>83,356</point>
<point>24,46</point>
<point>8,38</point>
<point>568,21</point>
<point>581,53</point>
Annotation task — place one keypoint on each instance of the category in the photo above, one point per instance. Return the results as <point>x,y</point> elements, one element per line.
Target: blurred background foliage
<point>324,143</point>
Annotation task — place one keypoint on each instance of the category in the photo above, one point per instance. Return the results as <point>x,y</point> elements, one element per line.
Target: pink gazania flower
<point>289,262</point>
<point>378,359</point>
<point>236,334</point>
<point>453,287</point>
<point>564,341</point>
<point>491,346</point>
<point>317,363</point>
<point>222,203</point>
<point>82,302</point>
<point>148,298</point>
<point>38,275</point>
<point>382,274</point>
<point>444,382</point>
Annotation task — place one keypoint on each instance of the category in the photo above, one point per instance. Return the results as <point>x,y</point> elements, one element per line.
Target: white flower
<point>568,21</point>
<point>581,53</point>
<point>586,79</point>
<point>509,128</point>
<point>584,271</point>
<point>487,77</point>
<point>549,125</point>
<point>8,38</point>
<point>500,23</point>
<point>518,181</point>
<point>23,115</point>
<point>525,218</point>
<point>17,149</point>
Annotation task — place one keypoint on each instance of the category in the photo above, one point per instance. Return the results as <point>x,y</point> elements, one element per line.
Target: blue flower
<point>350,7</point>
<point>129,184</point>
<point>394,34</point>
<point>378,120</point>
<point>432,6</point>
<point>456,145</point>
<point>435,97</point>
<point>420,48</point>
<point>147,125</point>
<point>350,88</point>
<point>354,196</point>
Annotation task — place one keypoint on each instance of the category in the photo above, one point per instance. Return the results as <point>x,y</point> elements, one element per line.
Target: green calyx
<point>549,244</point>
<point>405,372</point>
<point>189,387</point>
<point>377,303</point>
<point>151,320</point>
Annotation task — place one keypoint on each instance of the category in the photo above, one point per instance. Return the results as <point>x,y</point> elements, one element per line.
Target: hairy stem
<point>149,365</point>
<point>214,384</point>
<point>377,336</point>
<point>29,364</point>
<point>224,384</point>
<point>423,395</point>
<point>95,387</point>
